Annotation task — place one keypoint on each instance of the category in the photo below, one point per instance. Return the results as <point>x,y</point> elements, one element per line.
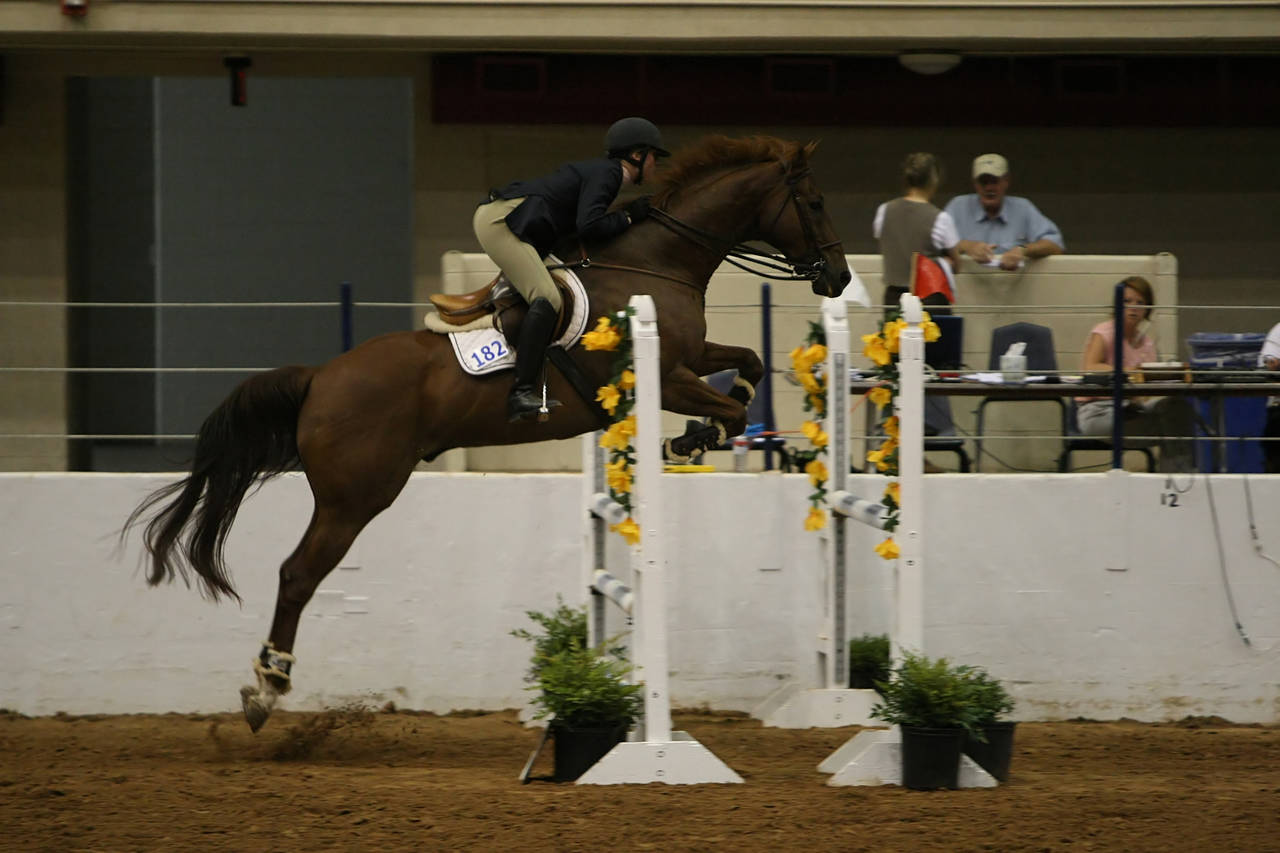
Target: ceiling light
<point>929,63</point>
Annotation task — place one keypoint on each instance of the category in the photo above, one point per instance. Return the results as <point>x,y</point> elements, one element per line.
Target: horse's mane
<point>716,153</point>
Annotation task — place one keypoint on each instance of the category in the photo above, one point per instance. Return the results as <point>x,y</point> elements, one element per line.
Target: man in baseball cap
<point>992,223</point>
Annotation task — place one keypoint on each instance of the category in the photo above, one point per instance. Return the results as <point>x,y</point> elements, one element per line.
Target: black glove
<point>637,209</point>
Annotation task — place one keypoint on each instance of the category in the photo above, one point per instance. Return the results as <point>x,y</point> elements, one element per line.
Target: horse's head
<point>801,229</point>
<point>722,192</point>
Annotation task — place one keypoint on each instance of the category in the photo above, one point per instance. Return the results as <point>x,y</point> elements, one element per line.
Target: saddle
<point>504,302</point>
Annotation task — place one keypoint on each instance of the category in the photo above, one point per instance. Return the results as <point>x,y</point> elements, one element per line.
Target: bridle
<point>738,254</point>
<point>755,261</point>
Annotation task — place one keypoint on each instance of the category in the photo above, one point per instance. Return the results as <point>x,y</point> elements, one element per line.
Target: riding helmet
<point>627,134</point>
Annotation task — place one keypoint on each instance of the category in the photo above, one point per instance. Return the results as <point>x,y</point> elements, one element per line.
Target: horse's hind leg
<point>328,538</point>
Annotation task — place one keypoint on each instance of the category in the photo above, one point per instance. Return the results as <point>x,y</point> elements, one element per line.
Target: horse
<point>358,425</point>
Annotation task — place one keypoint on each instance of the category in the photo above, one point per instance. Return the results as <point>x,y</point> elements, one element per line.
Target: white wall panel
<point>1084,592</point>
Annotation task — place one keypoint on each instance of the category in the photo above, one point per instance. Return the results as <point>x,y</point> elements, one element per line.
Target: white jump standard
<point>832,703</point>
<point>874,757</point>
<point>652,752</point>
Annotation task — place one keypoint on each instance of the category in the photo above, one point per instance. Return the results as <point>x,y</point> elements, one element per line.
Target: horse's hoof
<point>256,710</point>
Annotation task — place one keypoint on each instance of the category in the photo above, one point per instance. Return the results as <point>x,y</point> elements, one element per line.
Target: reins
<point>586,263</point>
<point>740,255</point>
<point>752,260</point>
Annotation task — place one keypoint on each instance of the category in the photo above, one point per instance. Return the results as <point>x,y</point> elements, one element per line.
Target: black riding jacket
<point>573,199</point>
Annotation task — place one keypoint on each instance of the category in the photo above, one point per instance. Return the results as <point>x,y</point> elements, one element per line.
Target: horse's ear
<point>811,147</point>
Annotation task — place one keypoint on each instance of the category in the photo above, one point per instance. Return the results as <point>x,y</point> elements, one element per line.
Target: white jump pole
<point>654,753</point>
<point>874,757</point>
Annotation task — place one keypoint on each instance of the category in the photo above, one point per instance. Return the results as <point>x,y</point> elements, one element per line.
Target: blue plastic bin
<point>1217,350</point>
<point>1245,419</point>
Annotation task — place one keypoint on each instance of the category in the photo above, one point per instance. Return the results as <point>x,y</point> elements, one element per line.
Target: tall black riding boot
<point>535,336</point>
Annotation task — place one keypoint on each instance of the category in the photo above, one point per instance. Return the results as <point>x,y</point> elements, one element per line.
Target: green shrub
<point>581,688</point>
<point>928,693</point>
<point>990,698</point>
<point>577,686</point>
<point>563,629</point>
<point>869,659</point>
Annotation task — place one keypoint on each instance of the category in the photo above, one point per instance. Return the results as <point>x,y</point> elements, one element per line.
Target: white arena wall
<point>1089,594</point>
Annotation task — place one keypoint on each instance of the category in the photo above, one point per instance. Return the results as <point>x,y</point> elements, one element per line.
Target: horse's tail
<point>249,438</point>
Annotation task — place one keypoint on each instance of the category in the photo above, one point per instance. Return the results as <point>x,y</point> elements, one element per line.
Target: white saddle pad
<point>482,351</point>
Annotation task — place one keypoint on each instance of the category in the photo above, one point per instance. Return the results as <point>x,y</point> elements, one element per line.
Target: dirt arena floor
<point>355,779</point>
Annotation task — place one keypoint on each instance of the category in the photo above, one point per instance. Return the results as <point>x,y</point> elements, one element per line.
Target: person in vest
<point>519,224</point>
<point>910,225</point>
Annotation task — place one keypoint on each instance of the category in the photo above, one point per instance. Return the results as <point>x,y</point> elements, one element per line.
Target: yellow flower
<point>880,456</point>
<point>815,354</point>
<point>608,397</point>
<point>816,520</point>
<point>628,380</point>
<point>874,349</point>
<point>819,439</point>
<point>810,428</point>
<point>880,396</point>
<point>810,383</point>
<point>891,426</point>
<point>894,491</point>
<point>817,472</point>
<point>618,436</point>
<point>629,530</point>
<point>931,331</point>
<point>603,337</point>
<point>888,549</point>
<point>618,476</point>
<point>892,333</point>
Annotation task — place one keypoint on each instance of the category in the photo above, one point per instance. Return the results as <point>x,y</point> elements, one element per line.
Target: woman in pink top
<point>1171,418</point>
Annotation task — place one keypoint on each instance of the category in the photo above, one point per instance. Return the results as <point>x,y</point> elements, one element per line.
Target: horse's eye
<point>816,204</point>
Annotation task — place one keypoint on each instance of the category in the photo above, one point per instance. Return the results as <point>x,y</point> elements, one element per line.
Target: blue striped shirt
<point>1018,223</point>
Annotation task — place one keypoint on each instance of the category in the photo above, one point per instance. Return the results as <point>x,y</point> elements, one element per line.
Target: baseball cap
<point>990,164</point>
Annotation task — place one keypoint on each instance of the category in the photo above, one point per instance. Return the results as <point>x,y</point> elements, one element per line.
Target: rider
<point>520,224</point>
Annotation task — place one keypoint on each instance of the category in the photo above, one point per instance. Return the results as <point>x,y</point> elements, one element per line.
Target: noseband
<point>753,260</point>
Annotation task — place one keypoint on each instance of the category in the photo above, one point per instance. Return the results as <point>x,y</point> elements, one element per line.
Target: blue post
<point>1117,382</point>
<point>345,298</point>
<point>766,384</point>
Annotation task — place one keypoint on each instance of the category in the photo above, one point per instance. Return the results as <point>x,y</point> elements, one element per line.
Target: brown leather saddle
<point>504,302</point>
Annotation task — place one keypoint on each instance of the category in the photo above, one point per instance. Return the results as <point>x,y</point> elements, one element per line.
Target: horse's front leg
<point>717,357</point>
<point>684,393</point>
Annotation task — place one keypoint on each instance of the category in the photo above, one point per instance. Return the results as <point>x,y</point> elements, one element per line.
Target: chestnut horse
<point>357,425</point>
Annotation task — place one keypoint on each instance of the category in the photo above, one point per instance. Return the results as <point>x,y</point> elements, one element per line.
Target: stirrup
<point>522,402</point>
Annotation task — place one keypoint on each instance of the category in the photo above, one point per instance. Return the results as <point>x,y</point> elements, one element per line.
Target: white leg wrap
<point>751,389</point>
<point>271,667</point>
<point>276,664</point>
<point>672,456</point>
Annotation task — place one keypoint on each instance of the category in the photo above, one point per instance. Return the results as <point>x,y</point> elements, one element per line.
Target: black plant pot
<point>577,749</point>
<point>931,758</point>
<point>994,755</point>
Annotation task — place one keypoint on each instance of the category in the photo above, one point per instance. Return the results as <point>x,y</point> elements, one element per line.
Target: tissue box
<point>1218,350</point>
